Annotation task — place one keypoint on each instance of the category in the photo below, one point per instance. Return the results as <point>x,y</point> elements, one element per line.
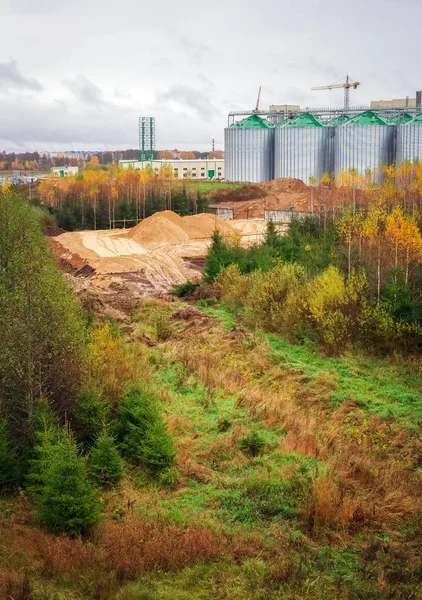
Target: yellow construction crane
<point>347,85</point>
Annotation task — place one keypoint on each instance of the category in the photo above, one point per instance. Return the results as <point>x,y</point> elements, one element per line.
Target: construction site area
<point>150,258</point>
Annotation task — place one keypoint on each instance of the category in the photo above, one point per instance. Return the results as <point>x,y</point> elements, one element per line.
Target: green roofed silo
<point>340,120</point>
<point>364,144</point>
<point>409,141</point>
<point>301,148</point>
<point>401,118</point>
<point>249,150</point>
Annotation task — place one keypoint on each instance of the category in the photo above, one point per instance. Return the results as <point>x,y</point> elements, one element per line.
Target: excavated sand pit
<point>158,248</point>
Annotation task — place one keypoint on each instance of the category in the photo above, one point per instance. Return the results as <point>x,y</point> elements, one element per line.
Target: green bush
<point>142,433</point>
<point>336,308</point>
<point>184,289</point>
<point>47,438</point>
<point>253,443</point>
<point>9,466</point>
<point>106,464</point>
<point>275,297</point>
<point>67,502</point>
<point>89,416</point>
<point>169,477</point>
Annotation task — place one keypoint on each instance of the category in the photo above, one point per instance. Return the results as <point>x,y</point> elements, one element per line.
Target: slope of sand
<point>203,225</point>
<point>167,227</point>
<point>158,230</point>
<point>111,245</point>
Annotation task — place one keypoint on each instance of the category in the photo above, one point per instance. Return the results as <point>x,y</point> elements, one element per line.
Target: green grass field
<point>209,186</point>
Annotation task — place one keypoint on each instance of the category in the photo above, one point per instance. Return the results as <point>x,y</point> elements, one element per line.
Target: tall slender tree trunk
<point>349,257</point>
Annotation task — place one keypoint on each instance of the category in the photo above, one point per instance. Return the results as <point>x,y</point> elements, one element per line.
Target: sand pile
<point>160,229</point>
<point>165,228</point>
<point>203,225</point>
<point>283,186</point>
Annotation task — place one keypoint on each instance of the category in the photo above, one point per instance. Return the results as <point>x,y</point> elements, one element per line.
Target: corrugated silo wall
<point>364,148</point>
<point>302,152</point>
<point>249,154</point>
<point>409,142</point>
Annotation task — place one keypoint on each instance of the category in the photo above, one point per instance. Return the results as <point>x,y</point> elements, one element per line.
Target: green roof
<point>418,118</point>
<point>367,118</point>
<point>401,118</point>
<point>338,120</point>
<point>303,120</point>
<point>254,121</point>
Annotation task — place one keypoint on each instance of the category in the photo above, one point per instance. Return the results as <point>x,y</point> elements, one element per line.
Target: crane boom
<point>329,87</point>
<point>346,85</point>
<point>257,100</point>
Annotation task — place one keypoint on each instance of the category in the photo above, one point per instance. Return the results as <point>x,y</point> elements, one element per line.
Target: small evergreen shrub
<point>67,502</point>
<point>48,437</point>
<point>184,289</point>
<point>169,477</point>
<point>253,443</point>
<point>106,464</point>
<point>89,416</point>
<point>142,433</point>
<point>223,425</point>
<point>157,447</point>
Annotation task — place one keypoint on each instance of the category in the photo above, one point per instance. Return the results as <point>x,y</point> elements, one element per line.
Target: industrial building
<point>398,102</point>
<point>65,171</point>
<point>195,169</point>
<point>307,144</point>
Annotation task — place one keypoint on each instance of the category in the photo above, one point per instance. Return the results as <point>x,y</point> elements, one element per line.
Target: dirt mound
<point>159,230</point>
<point>247,191</point>
<point>271,195</point>
<point>167,227</point>
<point>280,186</point>
<point>203,225</point>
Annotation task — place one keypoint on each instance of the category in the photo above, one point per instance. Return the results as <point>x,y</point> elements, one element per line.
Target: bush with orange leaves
<point>134,546</point>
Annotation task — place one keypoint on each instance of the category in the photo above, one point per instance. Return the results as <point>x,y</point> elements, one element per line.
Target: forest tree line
<point>105,199</point>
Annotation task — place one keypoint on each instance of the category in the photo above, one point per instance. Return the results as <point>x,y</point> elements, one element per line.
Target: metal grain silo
<point>249,150</point>
<point>364,144</point>
<point>409,141</point>
<point>302,149</point>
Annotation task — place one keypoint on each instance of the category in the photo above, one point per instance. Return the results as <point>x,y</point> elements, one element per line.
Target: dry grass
<point>134,547</point>
<point>332,505</point>
<point>372,461</point>
<point>121,551</point>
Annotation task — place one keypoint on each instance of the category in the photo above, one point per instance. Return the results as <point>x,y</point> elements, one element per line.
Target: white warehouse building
<point>64,171</point>
<point>195,169</point>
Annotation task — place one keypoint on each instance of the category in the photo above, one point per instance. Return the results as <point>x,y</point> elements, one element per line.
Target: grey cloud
<point>12,79</point>
<point>122,94</point>
<point>160,60</point>
<point>85,90</point>
<point>189,99</point>
<point>56,125</point>
<point>196,50</point>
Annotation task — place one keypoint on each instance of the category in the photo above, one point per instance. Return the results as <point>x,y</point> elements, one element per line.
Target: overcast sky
<point>77,75</point>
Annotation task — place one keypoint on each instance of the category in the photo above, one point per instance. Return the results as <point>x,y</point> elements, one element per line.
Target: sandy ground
<point>109,255</point>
